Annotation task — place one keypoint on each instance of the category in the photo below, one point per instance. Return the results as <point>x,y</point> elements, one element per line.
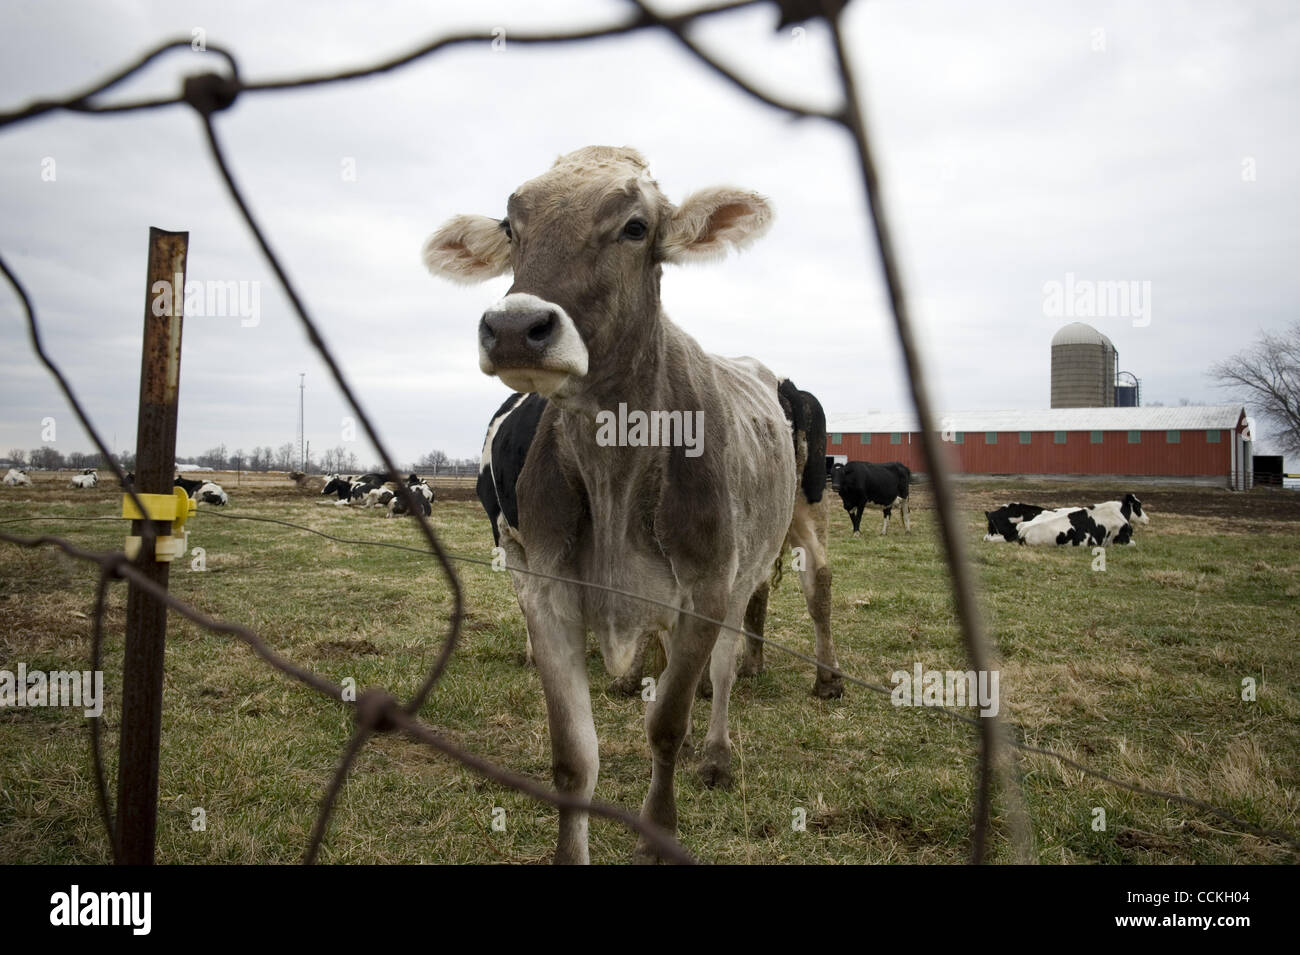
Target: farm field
<point>1135,671</point>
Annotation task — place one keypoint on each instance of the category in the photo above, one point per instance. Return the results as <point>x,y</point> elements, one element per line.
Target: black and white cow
<point>1110,522</point>
<point>190,486</point>
<point>1004,521</point>
<point>346,490</point>
<point>339,487</point>
<point>860,483</point>
<point>87,478</point>
<point>210,493</point>
<point>423,498</point>
<point>509,436</point>
<point>17,477</point>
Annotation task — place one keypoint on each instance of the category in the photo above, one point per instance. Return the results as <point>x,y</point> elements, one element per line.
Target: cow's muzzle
<point>530,344</point>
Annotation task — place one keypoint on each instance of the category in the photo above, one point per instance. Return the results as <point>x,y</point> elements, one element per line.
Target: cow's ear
<point>468,249</point>
<point>712,221</point>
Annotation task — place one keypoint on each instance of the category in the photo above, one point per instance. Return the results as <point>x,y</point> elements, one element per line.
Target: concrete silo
<point>1083,368</point>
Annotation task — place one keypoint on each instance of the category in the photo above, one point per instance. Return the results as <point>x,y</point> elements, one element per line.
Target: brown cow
<point>694,522</point>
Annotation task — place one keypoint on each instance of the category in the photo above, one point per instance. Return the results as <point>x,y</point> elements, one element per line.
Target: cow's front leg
<point>559,649</point>
<point>856,515</point>
<point>668,717</point>
<point>885,530</point>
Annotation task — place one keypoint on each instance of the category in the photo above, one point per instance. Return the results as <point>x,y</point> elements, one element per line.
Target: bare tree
<point>18,456</point>
<point>286,456</point>
<point>432,461</point>
<point>44,457</point>
<point>1267,376</point>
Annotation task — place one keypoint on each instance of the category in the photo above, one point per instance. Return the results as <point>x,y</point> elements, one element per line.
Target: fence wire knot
<point>210,92</point>
<point>375,710</point>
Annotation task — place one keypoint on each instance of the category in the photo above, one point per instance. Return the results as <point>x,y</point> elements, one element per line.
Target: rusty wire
<point>376,711</point>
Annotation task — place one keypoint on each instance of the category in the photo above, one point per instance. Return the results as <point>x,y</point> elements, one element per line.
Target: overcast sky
<point>1019,142</point>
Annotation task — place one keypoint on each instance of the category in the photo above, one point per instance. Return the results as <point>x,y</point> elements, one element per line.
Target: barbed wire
<point>375,710</point>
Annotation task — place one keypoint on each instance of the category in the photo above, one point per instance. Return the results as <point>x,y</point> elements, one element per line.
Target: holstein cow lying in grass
<point>1005,520</point>
<point>17,478</point>
<point>423,498</point>
<point>210,493</point>
<point>189,485</point>
<point>87,478</point>
<point>885,485</point>
<point>357,491</point>
<point>583,326</point>
<point>505,449</point>
<point>1110,522</point>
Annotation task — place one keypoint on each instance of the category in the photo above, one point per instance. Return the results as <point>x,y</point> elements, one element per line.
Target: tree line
<point>266,458</point>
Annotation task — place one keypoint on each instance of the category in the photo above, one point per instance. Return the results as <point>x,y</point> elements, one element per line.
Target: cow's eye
<point>635,230</point>
<point>505,227</point>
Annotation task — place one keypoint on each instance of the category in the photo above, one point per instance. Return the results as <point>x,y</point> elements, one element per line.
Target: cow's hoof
<point>749,668</point>
<point>627,685</point>
<point>715,770</point>
<point>705,690</point>
<point>831,689</point>
<point>642,855</point>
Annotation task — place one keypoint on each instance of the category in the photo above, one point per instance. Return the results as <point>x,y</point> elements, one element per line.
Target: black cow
<point>885,485</point>
<point>190,486</point>
<point>1004,522</point>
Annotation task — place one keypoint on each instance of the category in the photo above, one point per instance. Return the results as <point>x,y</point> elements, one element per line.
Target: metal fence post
<point>146,618</point>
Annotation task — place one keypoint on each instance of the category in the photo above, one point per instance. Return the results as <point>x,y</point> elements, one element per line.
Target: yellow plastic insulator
<point>175,507</point>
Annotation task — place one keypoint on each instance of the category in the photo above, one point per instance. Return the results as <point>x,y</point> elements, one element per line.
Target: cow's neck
<point>664,374</point>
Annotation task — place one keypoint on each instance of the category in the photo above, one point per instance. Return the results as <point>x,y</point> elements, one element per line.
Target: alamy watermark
<point>1085,298</point>
<point>212,298</point>
<point>76,688</point>
<point>951,688</point>
<point>653,429</point>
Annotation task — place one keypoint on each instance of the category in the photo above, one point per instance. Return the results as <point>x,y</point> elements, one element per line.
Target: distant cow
<point>1077,527</point>
<point>886,485</point>
<point>17,478</point>
<point>88,478</point>
<point>1110,522</point>
<point>345,489</point>
<point>210,493</point>
<point>1003,522</point>
<point>422,493</point>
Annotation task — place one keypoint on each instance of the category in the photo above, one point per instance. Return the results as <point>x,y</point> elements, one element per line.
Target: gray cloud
<point>1011,150</point>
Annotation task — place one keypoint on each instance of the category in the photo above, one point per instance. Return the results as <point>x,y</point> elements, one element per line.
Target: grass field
<point>1136,671</point>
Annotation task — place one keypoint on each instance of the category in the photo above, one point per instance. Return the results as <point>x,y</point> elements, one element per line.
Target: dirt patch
<point>345,648</point>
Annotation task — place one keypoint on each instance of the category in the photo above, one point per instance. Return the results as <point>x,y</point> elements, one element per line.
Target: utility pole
<point>302,446</point>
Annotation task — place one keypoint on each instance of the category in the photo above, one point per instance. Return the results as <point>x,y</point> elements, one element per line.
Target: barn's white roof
<point>1189,418</point>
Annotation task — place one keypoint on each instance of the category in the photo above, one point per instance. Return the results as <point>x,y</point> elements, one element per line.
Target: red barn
<point>1208,445</point>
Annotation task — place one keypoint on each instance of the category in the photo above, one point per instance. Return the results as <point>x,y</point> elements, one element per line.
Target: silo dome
<point>1077,333</point>
<point>1083,368</point>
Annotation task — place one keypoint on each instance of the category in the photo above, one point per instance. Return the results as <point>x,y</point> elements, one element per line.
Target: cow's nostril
<point>538,334</point>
